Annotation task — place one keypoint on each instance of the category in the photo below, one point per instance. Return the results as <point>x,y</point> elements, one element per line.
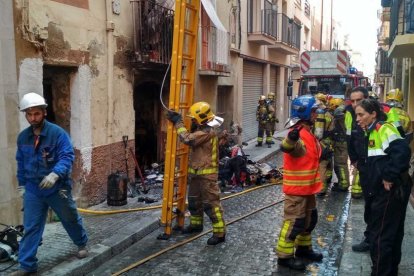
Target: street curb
<point>112,246</point>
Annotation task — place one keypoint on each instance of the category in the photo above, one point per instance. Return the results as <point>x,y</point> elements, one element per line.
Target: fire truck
<point>329,72</point>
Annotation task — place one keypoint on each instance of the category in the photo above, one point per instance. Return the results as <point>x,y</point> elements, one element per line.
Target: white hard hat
<point>32,100</point>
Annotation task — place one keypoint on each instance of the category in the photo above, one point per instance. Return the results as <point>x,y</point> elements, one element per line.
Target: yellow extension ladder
<point>183,62</point>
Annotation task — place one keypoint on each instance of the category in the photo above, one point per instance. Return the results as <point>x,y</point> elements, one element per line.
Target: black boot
<point>292,263</point>
<point>258,145</point>
<point>309,254</point>
<point>216,240</point>
<point>361,247</point>
<point>269,145</point>
<point>192,229</point>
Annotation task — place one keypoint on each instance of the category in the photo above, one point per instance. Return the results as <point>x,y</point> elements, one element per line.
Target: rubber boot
<point>216,240</point>
<point>309,254</point>
<point>192,229</point>
<point>292,263</point>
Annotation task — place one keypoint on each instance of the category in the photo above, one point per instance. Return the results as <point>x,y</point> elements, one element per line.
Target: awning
<point>212,14</point>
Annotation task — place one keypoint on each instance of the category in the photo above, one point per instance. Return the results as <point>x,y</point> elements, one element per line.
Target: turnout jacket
<point>204,149</point>
<point>301,163</point>
<point>388,156</point>
<point>53,152</point>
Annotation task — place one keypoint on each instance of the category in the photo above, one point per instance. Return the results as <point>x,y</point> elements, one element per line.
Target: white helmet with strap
<point>30,100</point>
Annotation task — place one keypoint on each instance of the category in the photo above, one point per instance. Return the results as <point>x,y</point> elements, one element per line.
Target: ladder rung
<point>189,32</point>
<point>186,82</point>
<point>187,57</point>
<point>190,7</point>
<point>184,106</point>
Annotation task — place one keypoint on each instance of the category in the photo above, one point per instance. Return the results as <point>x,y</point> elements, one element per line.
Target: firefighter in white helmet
<point>44,157</point>
<point>203,190</point>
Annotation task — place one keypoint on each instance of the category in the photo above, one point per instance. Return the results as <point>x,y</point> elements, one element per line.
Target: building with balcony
<point>395,63</point>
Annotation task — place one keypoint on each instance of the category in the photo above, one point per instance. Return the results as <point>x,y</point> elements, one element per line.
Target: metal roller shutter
<point>252,89</point>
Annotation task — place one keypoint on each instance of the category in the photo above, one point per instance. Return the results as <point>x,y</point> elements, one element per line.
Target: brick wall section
<point>91,189</point>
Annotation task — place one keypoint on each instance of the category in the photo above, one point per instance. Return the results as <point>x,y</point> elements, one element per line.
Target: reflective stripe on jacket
<point>300,174</point>
<point>388,156</point>
<point>204,149</point>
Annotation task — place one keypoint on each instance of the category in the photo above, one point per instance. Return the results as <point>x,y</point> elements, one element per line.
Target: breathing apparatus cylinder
<point>320,122</point>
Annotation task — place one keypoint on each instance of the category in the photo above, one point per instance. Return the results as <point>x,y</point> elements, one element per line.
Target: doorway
<point>147,127</point>
<point>56,91</point>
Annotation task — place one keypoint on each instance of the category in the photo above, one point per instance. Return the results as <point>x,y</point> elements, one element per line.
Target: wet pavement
<point>119,240</point>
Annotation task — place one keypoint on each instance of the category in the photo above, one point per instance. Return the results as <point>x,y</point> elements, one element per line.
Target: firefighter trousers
<point>204,195</point>
<point>300,218</point>
<point>356,182</point>
<point>325,173</point>
<point>387,219</point>
<point>264,128</point>
<point>341,164</point>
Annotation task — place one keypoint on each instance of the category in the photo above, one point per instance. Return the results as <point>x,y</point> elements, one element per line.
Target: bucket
<point>117,189</point>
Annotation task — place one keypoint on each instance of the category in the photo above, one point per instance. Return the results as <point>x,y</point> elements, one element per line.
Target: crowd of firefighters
<point>323,132</point>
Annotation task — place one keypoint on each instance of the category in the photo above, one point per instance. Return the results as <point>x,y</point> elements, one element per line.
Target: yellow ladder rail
<point>183,62</point>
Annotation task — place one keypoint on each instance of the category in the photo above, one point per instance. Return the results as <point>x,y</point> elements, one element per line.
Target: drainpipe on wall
<point>110,26</point>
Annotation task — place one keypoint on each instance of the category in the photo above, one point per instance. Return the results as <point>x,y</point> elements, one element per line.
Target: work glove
<point>293,135</point>
<point>21,190</point>
<point>174,117</point>
<point>49,180</point>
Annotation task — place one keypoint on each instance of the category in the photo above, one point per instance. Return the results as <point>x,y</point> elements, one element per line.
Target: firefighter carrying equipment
<point>271,96</point>
<point>203,193</point>
<point>30,100</point>
<point>202,114</point>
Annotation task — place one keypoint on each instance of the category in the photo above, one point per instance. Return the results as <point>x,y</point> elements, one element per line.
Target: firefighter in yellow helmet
<point>322,130</point>
<point>340,150</point>
<point>394,98</point>
<point>203,190</point>
<point>264,114</point>
<point>272,115</point>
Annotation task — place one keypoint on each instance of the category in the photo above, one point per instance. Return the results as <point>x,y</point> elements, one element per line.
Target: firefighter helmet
<point>333,103</point>
<point>271,96</point>
<point>373,95</point>
<point>32,100</point>
<point>202,114</point>
<point>262,98</point>
<point>321,97</point>
<point>395,95</point>
<point>301,109</point>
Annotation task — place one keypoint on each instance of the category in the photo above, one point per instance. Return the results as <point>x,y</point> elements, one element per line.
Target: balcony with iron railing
<point>214,52</point>
<point>402,29</point>
<point>288,35</point>
<point>384,63</point>
<point>262,30</point>
<point>153,32</point>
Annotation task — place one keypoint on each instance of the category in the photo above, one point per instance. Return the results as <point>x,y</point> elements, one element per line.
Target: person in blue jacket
<point>44,165</point>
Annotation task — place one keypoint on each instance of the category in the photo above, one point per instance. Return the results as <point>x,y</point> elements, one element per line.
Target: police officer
<point>389,186</point>
<point>264,114</point>
<point>203,190</point>
<point>301,181</point>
